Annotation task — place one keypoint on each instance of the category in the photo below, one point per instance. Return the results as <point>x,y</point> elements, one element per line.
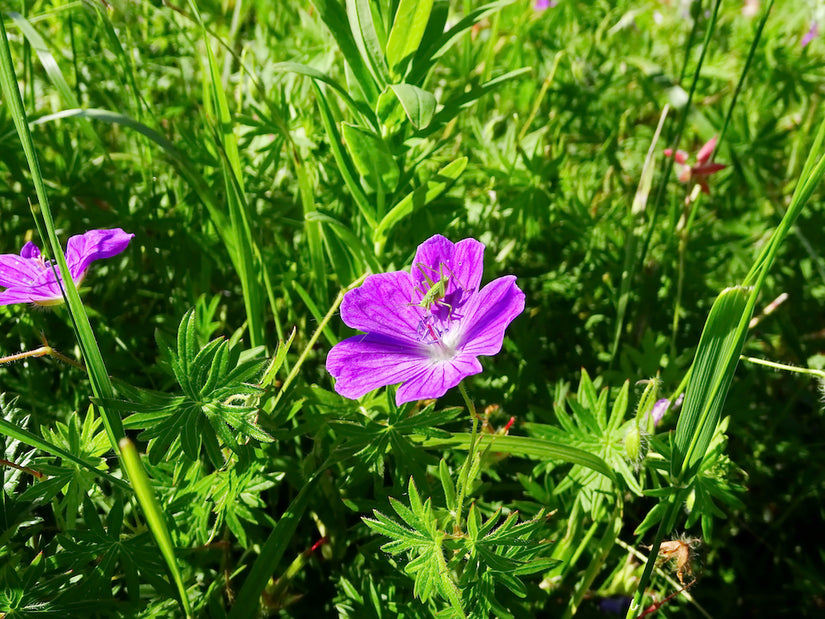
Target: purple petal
<point>47,293</point>
<point>812,33</point>
<point>84,249</point>
<point>18,271</point>
<point>464,262</point>
<point>383,304</point>
<point>658,411</point>
<point>30,250</point>
<point>436,378</point>
<point>363,363</point>
<point>487,315</point>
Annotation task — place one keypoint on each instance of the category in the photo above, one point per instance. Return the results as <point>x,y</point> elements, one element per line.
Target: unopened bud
<point>633,444</point>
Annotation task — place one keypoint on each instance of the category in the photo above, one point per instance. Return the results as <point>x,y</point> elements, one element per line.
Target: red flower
<point>699,171</point>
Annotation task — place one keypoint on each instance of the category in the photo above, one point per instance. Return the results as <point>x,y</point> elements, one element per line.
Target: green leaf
<point>372,157</point>
<point>453,106</point>
<point>408,28</point>
<point>713,369</point>
<point>334,15</point>
<point>420,197</point>
<point>436,42</point>
<point>246,603</point>
<point>302,69</point>
<point>96,368</point>
<point>367,39</point>
<point>447,484</point>
<point>529,447</point>
<point>154,515</point>
<point>343,161</point>
<point>418,104</point>
<point>55,74</point>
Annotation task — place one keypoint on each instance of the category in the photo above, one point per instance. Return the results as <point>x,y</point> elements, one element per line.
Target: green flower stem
<point>464,479</point>
<point>781,366</point>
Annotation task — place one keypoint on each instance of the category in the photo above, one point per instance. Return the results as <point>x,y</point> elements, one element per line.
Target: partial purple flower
<point>418,334</point>
<point>663,406</point>
<point>542,5</point>
<point>659,410</point>
<point>812,33</point>
<point>30,278</point>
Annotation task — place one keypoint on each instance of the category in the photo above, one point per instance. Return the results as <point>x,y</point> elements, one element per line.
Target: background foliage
<point>267,155</point>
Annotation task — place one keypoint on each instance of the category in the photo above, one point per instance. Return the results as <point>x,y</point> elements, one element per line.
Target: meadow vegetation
<point>647,436</point>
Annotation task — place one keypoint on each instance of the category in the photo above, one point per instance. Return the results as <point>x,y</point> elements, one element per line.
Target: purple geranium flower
<point>30,278</point>
<point>419,334</point>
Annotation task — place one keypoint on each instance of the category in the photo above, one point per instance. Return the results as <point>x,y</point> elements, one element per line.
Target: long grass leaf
<point>52,69</point>
<point>527,447</point>
<point>246,604</point>
<point>154,515</point>
<point>713,367</point>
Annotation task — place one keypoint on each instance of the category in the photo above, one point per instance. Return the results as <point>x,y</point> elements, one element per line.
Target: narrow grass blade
<point>98,376</point>
<point>176,156</point>
<point>368,40</point>
<point>246,604</point>
<point>302,69</point>
<point>246,266</point>
<point>334,15</point>
<point>527,447</point>
<point>342,159</point>
<point>55,74</point>
<point>154,515</point>
<point>425,194</point>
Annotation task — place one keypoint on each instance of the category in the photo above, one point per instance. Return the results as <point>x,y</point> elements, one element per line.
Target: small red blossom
<point>699,171</point>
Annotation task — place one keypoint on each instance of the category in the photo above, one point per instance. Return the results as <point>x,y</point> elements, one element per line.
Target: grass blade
<point>154,515</point>
<point>713,367</point>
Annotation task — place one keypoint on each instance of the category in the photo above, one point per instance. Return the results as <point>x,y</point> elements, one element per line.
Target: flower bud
<point>633,444</point>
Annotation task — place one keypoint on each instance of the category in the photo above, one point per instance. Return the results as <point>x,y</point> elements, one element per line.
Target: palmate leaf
<point>371,439</point>
<point>112,554</point>
<point>592,430</point>
<point>499,555</point>
<point>712,484</point>
<point>424,542</point>
<point>214,409</point>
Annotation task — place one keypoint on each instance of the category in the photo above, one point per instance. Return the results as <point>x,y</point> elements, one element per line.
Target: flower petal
<point>18,271</point>
<point>705,152</point>
<point>383,304</point>
<point>363,363</point>
<point>464,261</point>
<point>487,315</point>
<point>45,294</point>
<point>84,249</point>
<point>437,378</point>
<point>30,250</point>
